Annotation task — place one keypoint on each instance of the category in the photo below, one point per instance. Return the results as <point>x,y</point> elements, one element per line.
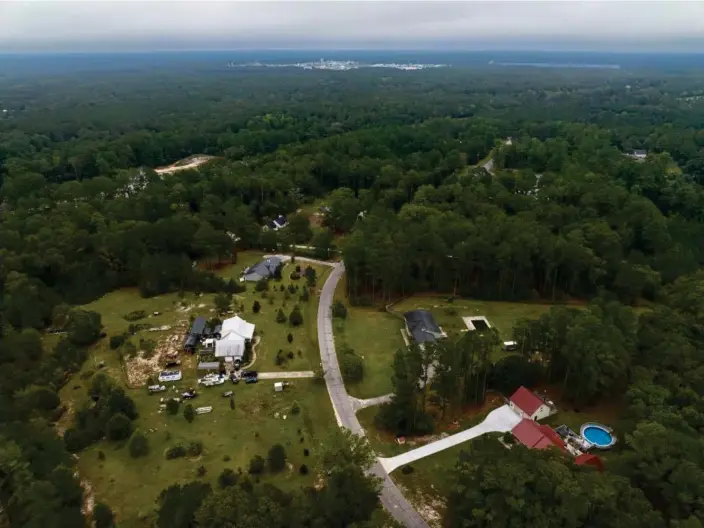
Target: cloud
<point>115,25</point>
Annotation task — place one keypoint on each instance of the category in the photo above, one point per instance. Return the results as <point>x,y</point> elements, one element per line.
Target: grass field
<point>230,437</point>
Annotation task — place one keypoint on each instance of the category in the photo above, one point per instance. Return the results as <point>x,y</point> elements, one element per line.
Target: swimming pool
<point>598,435</point>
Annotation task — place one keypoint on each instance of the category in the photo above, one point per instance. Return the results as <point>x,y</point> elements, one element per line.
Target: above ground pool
<point>598,435</point>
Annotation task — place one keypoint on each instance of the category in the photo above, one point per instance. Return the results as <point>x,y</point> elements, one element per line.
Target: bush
<point>296,318</point>
<point>119,427</point>
<point>138,446</point>
<point>277,457</point>
<point>177,451</point>
<point>407,469</point>
<point>305,296</point>
<point>227,478</point>
<point>306,452</point>
<point>189,413</point>
<point>280,317</point>
<point>256,307</point>
<point>298,268</point>
<point>135,316</point>
<point>256,465</point>
<point>303,470</point>
<point>201,471</point>
<point>352,367</point>
<point>290,354</point>
<point>103,517</point>
<point>75,440</point>
<point>261,285</point>
<point>292,288</point>
<point>295,275</point>
<point>172,406</point>
<point>339,310</point>
<point>295,408</point>
<point>116,341</point>
<point>287,296</point>
<point>195,449</point>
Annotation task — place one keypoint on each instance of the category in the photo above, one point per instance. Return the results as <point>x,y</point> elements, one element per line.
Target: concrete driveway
<point>497,421</point>
<point>287,375</point>
<point>391,497</point>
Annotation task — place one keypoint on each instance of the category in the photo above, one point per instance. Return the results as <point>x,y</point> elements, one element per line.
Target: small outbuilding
<point>421,326</point>
<point>278,386</point>
<point>535,436</point>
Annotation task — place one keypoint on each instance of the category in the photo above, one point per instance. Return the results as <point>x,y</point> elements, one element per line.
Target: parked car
<point>253,377</point>
<point>189,394</point>
<point>234,378</point>
<point>156,388</point>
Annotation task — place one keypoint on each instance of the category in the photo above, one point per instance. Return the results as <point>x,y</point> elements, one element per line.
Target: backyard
<point>231,437</point>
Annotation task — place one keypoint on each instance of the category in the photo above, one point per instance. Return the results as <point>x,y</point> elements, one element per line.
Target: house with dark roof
<point>278,223</point>
<point>262,270</point>
<point>421,326</point>
<point>528,404</point>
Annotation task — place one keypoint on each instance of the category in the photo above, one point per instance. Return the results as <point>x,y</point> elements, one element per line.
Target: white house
<point>235,333</point>
<point>527,404</point>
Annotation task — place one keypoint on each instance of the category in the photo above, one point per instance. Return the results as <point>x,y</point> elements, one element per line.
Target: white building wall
<point>542,412</point>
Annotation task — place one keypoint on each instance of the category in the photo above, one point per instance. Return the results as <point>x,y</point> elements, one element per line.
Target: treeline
<point>591,219</point>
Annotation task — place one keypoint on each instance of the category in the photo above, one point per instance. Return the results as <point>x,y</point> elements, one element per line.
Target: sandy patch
<point>139,369</point>
<point>88,496</point>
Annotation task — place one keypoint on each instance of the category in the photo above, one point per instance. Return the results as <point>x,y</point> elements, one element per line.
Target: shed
<point>209,365</point>
<point>198,327</point>
<point>535,436</point>
<point>278,386</point>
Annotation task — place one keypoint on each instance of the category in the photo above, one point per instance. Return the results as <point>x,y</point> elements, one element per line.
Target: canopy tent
<point>239,326</point>
<point>230,345</point>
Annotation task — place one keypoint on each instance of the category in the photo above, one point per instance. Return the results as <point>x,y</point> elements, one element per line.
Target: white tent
<point>239,326</point>
<point>230,345</point>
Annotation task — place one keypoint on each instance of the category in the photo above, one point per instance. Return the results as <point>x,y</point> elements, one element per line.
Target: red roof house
<point>585,459</point>
<point>536,436</point>
<point>529,405</point>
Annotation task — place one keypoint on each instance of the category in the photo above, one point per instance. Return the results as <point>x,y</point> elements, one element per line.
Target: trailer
<point>170,375</point>
<point>204,410</point>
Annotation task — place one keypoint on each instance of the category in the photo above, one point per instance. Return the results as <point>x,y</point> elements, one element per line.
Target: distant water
<point>557,65</point>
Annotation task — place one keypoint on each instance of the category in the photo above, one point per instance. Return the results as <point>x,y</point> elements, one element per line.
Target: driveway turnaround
<point>497,421</point>
<point>286,375</point>
<point>391,497</point>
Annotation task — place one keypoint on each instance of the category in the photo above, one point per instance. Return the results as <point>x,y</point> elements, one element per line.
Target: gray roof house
<point>262,270</point>
<point>421,325</point>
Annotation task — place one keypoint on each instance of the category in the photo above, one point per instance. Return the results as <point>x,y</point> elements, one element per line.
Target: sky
<point>130,25</point>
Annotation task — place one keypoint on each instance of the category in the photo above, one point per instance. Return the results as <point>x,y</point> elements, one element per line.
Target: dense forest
<point>400,159</point>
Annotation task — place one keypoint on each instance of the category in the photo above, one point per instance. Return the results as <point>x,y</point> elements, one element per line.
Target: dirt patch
<point>88,496</point>
<point>138,369</point>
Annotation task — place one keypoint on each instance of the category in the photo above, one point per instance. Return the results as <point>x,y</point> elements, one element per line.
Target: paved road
<point>497,421</point>
<point>358,404</point>
<point>287,375</point>
<point>391,497</point>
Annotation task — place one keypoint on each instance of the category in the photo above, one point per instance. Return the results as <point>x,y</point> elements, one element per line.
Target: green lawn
<point>250,429</point>
<point>375,336</point>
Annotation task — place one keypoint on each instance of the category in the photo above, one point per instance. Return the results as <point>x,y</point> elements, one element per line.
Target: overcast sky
<point>92,25</point>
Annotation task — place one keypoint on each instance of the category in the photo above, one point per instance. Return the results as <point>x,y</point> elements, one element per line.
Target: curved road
<point>391,497</point>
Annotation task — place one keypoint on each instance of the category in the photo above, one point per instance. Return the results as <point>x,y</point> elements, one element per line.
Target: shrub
<point>256,465</point>
<point>227,478</point>
<point>290,337</point>
<point>189,413</point>
<point>135,316</point>
<point>306,452</point>
<point>339,310</point>
<point>75,440</point>
<point>116,341</point>
<point>280,317</point>
<point>305,296</point>
<point>295,408</point>
<point>256,307</point>
<point>172,406</point>
<point>195,449</point>
<point>177,451</point>
<point>351,367</point>
<point>295,275</point>
<point>303,470</point>
<point>277,457</point>
<point>103,517</point>
<point>287,295</point>
<point>201,471</point>
<point>119,427</point>
<point>296,318</point>
<point>261,285</point>
<point>298,268</point>
<point>407,469</point>
<point>292,288</point>
<point>138,446</point>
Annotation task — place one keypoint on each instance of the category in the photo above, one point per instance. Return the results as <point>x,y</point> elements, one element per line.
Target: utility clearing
<point>191,162</point>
